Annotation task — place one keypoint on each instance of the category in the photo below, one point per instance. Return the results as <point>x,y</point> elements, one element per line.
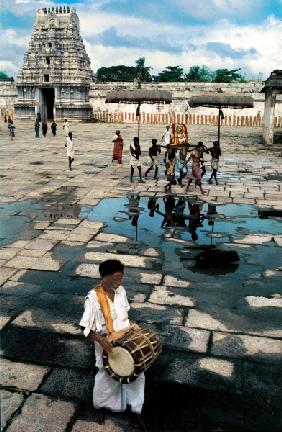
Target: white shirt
<point>93,318</point>
<point>70,149</point>
<point>167,137</point>
<point>66,128</point>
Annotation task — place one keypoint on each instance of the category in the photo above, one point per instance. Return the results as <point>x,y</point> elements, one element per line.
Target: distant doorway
<point>48,99</point>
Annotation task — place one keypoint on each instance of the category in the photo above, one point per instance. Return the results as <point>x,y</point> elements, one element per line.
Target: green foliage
<point>199,74</point>
<point>116,73</point>
<point>4,76</point>
<point>228,76</point>
<point>142,72</point>
<point>170,74</point>
<point>139,73</point>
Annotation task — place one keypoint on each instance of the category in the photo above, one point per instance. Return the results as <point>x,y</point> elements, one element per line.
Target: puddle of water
<point>185,228</point>
<point>149,218</point>
<point>14,222</point>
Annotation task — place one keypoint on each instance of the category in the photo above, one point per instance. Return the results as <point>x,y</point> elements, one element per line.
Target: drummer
<point>108,393</point>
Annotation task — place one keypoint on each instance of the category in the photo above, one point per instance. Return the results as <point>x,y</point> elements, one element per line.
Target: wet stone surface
<point>204,271</point>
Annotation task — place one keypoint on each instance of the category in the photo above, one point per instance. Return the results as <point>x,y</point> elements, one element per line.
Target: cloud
<point>225,50</point>
<point>113,38</point>
<point>209,9</point>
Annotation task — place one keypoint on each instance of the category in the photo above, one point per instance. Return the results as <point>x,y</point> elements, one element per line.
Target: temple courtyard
<point>220,369</point>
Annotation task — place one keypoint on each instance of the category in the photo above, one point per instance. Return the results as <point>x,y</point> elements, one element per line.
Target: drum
<point>132,353</point>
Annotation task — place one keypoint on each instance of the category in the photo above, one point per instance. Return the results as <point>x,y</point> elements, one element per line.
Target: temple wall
<point>179,110</point>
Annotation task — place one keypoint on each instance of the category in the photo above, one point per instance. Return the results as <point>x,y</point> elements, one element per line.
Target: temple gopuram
<point>56,75</point>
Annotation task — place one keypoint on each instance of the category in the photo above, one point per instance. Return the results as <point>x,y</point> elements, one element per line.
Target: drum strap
<point>105,308</point>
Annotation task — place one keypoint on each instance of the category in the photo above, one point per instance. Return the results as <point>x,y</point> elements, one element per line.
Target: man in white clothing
<point>167,136</point>
<point>108,393</point>
<point>66,128</point>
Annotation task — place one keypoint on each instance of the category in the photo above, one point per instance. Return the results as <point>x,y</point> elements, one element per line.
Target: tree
<point>142,72</point>
<point>199,74</point>
<point>116,73</point>
<point>227,76</point>
<point>170,74</point>
<point>5,77</point>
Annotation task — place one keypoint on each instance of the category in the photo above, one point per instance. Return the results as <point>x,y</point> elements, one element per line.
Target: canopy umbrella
<point>221,101</point>
<point>139,96</point>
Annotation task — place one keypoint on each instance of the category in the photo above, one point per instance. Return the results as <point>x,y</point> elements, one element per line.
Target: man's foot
<point>210,181</point>
<point>131,180</point>
<point>156,178</point>
<point>137,422</point>
<point>100,416</point>
<point>216,182</point>
<point>141,181</point>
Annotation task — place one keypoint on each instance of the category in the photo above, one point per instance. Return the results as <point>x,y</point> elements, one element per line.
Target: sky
<point>232,34</point>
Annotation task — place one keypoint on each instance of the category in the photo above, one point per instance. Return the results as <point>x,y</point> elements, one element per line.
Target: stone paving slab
<point>151,313</point>
<point>229,305</point>
<point>190,369</point>
<point>5,274</point>
<point>128,260</point>
<point>47,348</point>
<point>170,296</point>
<point>130,276</point>
<point>10,402</point>
<point>51,415</point>
<point>51,320</point>
<point>242,346</point>
<point>41,244</point>
<point>65,383</point>
<point>21,375</point>
<point>8,253</point>
<point>180,338</point>
<point>35,263</point>
<point>113,423</point>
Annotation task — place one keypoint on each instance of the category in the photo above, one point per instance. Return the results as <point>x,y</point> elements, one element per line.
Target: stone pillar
<point>269,117</point>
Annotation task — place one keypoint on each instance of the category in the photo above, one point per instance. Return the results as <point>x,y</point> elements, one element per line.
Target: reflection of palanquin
<point>179,134</point>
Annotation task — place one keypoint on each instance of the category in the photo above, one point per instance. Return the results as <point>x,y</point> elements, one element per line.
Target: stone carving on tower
<point>56,75</point>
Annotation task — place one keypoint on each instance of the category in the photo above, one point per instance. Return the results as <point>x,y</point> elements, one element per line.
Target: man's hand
<point>102,341</point>
<point>105,344</point>
<point>134,326</point>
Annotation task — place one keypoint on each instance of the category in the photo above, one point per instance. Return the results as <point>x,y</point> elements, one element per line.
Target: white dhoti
<point>214,163</point>
<point>155,161</point>
<point>108,393</point>
<point>135,163</point>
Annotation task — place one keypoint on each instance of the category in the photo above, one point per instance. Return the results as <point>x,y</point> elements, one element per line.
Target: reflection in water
<point>168,224</point>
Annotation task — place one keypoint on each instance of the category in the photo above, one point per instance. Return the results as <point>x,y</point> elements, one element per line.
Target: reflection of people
<point>174,213</point>
<point>154,152</point>
<point>196,168</point>
<point>106,311</point>
<point>195,219</point>
<point>118,147</point>
<point>153,206</point>
<point>70,149</point>
<point>215,152</point>
<point>133,209</point>
<point>135,153</point>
